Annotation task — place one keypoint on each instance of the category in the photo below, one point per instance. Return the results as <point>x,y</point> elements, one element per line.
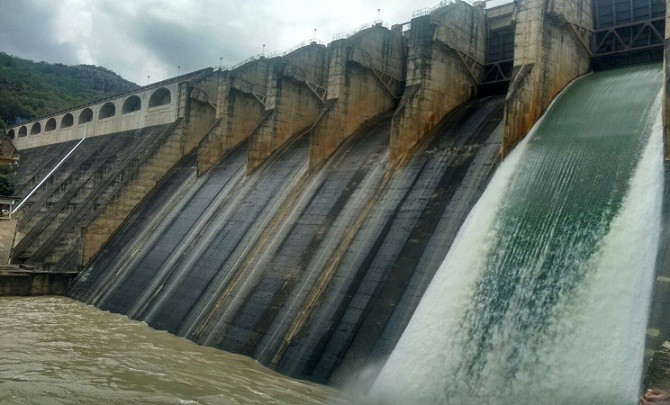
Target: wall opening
<point>36,129</point>
<point>132,104</point>
<point>160,97</point>
<point>51,125</point>
<point>11,134</point>
<point>107,110</point>
<point>67,121</point>
<point>86,116</point>
<point>23,131</point>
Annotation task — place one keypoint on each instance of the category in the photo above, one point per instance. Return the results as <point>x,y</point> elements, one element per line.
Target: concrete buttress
<point>444,65</point>
<point>550,50</point>
<point>365,78</point>
<point>240,108</point>
<point>294,98</point>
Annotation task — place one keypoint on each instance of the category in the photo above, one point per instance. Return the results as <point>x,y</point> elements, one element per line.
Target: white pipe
<point>51,172</point>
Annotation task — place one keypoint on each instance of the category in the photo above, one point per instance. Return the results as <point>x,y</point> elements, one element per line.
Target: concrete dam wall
<point>295,208</point>
<point>303,271</point>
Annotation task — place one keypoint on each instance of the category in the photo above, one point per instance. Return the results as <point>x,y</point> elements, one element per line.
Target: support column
<point>293,101</point>
<point>445,59</point>
<point>549,53</point>
<point>365,80</point>
<point>240,108</point>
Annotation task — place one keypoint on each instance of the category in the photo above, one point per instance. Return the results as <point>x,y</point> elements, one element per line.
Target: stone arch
<point>107,110</point>
<point>11,134</point>
<point>161,96</point>
<point>86,115</point>
<point>132,104</point>
<point>67,121</point>
<point>50,125</point>
<point>23,132</point>
<point>36,128</point>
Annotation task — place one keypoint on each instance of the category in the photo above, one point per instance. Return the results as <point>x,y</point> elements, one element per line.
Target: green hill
<point>31,89</point>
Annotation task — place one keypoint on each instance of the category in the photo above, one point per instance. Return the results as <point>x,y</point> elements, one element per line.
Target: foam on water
<point>543,297</point>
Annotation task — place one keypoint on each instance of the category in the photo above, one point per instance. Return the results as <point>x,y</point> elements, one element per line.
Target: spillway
<point>314,274</point>
<point>544,295</point>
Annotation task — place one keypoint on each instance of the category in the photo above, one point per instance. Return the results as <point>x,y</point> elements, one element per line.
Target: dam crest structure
<point>295,208</point>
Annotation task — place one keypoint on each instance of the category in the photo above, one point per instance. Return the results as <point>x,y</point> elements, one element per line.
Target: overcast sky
<point>140,38</point>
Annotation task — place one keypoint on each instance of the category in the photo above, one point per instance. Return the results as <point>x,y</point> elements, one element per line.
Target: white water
<point>590,345</point>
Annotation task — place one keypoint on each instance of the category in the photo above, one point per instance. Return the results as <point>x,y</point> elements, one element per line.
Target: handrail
<point>344,35</point>
<point>51,172</point>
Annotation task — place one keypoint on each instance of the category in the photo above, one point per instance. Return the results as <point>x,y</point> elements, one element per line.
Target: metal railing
<point>294,48</point>
<point>363,27</point>
<point>429,10</point>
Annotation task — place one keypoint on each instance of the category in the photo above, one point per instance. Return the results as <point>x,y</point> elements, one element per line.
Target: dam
<point>330,208</point>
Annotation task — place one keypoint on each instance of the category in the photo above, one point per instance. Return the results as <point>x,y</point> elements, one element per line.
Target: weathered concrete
<point>198,119</point>
<point>306,272</point>
<point>293,100</point>
<point>444,66</point>
<point>365,76</point>
<point>7,232</point>
<point>76,211</point>
<point>240,108</point>
<point>20,282</point>
<point>550,52</point>
<point>500,17</point>
<point>132,193</point>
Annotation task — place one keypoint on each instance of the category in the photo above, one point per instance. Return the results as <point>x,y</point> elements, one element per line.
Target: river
<point>57,350</point>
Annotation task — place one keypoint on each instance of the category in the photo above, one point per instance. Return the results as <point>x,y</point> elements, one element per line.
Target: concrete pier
<point>364,81</point>
<point>294,98</point>
<point>444,67</point>
<point>15,281</point>
<point>550,50</point>
<point>241,104</point>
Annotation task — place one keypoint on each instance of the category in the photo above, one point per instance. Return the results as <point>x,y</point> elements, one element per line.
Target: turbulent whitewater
<point>544,296</point>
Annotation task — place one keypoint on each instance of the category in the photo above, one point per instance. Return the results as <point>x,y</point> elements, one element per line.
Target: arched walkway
<point>132,104</point>
<point>67,121</point>
<point>51,125</point>
<point>160,97</point>
<point>107,110</point>
<point>86,116</point>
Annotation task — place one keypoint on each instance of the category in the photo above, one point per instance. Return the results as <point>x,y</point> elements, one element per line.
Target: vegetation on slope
<point>31,89</point>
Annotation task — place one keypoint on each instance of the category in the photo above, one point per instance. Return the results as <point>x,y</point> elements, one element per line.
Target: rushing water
<point>57,350</point>
<point>544,296</point>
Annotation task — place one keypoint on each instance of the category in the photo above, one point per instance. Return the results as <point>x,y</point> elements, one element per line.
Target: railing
<point>272,54</point>
<point>429,10</point>
<point>343,35</point>
<point>294,48</point>
<point>244,62</point>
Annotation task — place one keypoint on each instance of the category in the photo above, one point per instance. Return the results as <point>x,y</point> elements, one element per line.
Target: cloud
<point>27,29</point>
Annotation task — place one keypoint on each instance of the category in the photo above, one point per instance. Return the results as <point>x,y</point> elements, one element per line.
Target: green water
<point>545,294</point>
